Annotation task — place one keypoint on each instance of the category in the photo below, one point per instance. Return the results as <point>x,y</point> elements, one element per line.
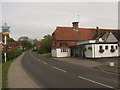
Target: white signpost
<point>5,33</point>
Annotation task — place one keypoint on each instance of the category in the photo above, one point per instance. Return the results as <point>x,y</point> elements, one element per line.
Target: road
<point>59,74</point>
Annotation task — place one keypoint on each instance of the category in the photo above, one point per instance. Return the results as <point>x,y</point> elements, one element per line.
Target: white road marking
<point>34,57</point>
<point>95,82</point>
<point>45,63</point>
<point>59,69</point>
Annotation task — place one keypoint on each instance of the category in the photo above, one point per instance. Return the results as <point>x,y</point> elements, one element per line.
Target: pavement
<point>17,77</point>
<point>52,73</point>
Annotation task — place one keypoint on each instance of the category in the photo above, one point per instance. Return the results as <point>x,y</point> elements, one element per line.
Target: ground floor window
<point>64,50</point>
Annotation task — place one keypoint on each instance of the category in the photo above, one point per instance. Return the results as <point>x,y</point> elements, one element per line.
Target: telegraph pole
<point>5,33</point>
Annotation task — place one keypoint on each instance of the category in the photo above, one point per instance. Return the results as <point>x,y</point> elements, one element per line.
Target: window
<point>112,47</point>
<point>100,47</point>
<point>106,47</point>
<point>116,46</point>
<point>64,50</point>
<point>61,50</point>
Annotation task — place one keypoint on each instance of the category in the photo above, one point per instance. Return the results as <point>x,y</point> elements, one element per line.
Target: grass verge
<point>5,68</point>
<point>48,55</point>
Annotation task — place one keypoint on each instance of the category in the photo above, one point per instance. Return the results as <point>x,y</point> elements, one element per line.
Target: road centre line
<point>34,57</point>
<point>45,63</point>
<point>95,82</point>
<point>59,69</point>
<point>38,59</point>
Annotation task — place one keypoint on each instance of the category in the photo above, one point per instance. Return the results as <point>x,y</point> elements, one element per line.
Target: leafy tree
<point>23,38</point>
<point>46,44</point>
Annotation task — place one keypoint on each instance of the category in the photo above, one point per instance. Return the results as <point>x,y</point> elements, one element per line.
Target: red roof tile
<point>67,33</point>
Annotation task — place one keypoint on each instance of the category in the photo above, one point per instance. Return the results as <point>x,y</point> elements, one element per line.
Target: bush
<point>42,50</point>
<point>12,54</point>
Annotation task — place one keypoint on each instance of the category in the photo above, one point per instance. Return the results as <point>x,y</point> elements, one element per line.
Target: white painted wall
<point>85,42</point>
<point>107,53</point>
<point>54,53</point>
<point>57,53</point>
<point>88,53</point>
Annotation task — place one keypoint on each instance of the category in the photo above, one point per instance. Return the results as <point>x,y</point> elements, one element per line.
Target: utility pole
<point>5,33</point>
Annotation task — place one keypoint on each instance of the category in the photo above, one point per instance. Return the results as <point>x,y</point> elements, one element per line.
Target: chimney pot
<point>75,25</point>
<point>97,27</point>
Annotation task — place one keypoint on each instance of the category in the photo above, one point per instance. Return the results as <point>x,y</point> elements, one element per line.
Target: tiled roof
<point>12,43</point>
<point>67,33</point>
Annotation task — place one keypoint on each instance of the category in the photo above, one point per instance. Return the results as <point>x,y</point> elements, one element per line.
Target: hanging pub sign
<point>5,29</point>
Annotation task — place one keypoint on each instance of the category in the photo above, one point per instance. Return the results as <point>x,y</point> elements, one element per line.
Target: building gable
<point>111,38</point>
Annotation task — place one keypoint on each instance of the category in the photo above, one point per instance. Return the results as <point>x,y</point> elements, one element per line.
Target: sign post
<point>5,33</point>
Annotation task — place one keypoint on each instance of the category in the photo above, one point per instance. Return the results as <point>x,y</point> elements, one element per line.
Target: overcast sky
<point>36,19</point>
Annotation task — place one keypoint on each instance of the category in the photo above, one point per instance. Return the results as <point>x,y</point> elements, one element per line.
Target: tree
<point>46,44</point>
<point>23,38</point>
<point>26,44</point>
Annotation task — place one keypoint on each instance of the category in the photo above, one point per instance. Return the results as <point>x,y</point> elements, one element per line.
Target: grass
<point>48,55</point>
<point>5,68</point>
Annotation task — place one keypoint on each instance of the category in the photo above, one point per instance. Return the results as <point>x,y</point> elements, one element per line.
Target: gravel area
<point>101,63</point>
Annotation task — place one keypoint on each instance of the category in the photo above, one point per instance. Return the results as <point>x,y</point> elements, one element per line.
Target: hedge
<point>12,54</point>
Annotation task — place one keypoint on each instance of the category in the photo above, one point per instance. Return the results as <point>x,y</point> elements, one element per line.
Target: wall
<point>88,53</point>
<point>70,43</point>
<point>57,53</point>
<point>1,47</point>
<point>107,53</point>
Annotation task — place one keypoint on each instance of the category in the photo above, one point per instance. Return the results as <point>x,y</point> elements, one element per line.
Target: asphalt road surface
<point>51,73</point>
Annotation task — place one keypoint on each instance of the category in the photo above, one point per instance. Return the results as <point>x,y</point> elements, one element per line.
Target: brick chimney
<point>97,31</point>
<point>75,25</point>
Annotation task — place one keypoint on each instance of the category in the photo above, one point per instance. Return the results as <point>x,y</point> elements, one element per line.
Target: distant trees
<point>25,43</point>
<point>43,46</point>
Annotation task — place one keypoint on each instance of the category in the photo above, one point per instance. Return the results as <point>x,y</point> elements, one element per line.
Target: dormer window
<point>63,45</point>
